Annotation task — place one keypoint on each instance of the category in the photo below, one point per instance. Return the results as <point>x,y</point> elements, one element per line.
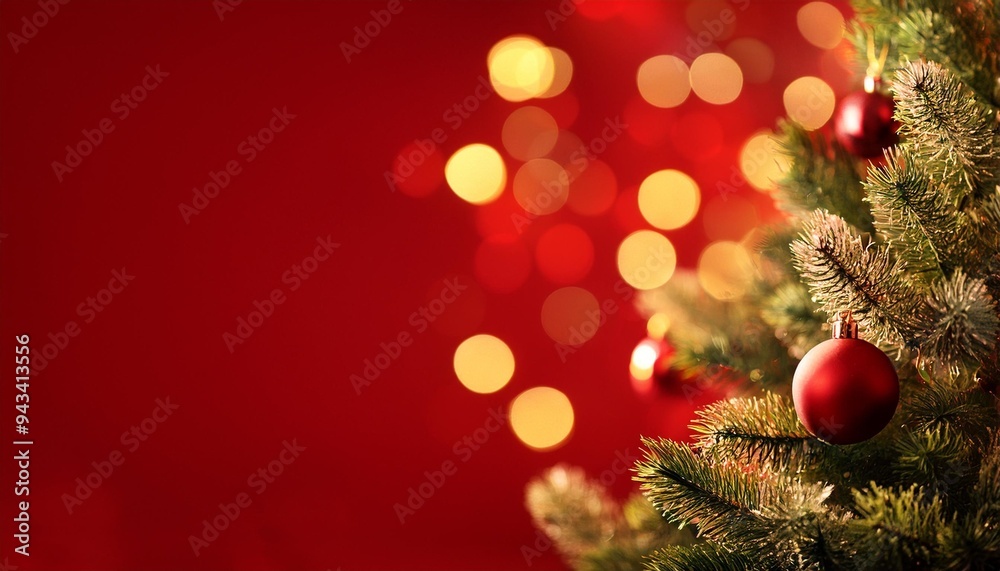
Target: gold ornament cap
<point>845,327</point>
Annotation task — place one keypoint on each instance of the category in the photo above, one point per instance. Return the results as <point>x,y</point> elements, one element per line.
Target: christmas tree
<point>841,468</point>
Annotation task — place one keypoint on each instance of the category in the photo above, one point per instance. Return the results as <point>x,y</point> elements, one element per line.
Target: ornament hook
<point>845,327</point>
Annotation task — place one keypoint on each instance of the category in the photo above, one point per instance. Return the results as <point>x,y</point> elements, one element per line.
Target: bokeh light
<point>725,270</point>
<point>484,363</point>
<point>502,264</point>
<point>663,81</point>
<point>594,189</point>
<point>521,67</point>
<point>755,58</point>
<point>658,325</point>
<point>564,254</point>
<point>541,186</point>
<point>529,133</point>
<point>476,173</point>
<point>821,24</point>
<point>571,316</point>
<point>643,360</point>
<point>562,74</point>
<point>809,101</point>
<point>762,160</point>
<point>669,199</point>
<point>541,417</point>
<point>646,259</point>
<point>716,78</point>
<point>710,21</point>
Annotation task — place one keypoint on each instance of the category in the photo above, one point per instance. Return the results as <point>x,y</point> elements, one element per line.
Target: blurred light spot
<point>541,186</point>
<point>520,67</point>
<point>476,173</point>
<point>821,24</point>
<point>698,136</point>
<point>568,148</point>
<point>502,264</point>
<point>668,199</point>
<point>658,325</point>
<point>562,74</point>
<point>594,189</point>
<point>663,81</point>
<point>725,270</point>
<point>484,364</point>
<point>754,57</point>
<point>529,133</point>
<point>542,417</point>
<point>565,254</point>
<point>646,259</point>
<point>571,316</point>
<point>644,358</point>
<point>809,101</point>
<point>418,172</point>
<point>716,78</point>
<point>728,217</point>
<point>762,161</point>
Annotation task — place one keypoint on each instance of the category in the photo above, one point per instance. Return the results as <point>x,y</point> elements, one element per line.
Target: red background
<point>332,508</point>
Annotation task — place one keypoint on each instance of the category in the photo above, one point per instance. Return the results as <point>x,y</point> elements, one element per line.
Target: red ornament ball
<point>864,125</point>
<point>845,390</point>
<point>651,370</point>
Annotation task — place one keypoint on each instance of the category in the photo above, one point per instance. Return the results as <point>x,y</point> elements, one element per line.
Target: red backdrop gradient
<point>65,235</point>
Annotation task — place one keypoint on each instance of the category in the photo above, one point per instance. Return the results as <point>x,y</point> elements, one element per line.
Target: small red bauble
<point>864,125</point>
<point>652,372</point>
<point>845,389</point>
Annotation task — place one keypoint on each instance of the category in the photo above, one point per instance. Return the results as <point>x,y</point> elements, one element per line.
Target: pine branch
<point>964,322</point>
<point>843,273</point>
<point>903,525</point>
<point>962,36</point>
<point>940,405</point>
<point>720,499</point>
<point>755,431</point>
<point>939,458</point>
<point>795,317</point>
<point>701,557</point>
<point>821,176</point>
<point>987,491</point>
<point>578,515</point>
<point>947,129</point>
<point>914,218</point>
<point>971,543</point>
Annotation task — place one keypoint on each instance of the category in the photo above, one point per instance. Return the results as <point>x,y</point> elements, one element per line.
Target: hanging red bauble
<point>863,123</point>
<point>652,371</point>
<point>845,389</point>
